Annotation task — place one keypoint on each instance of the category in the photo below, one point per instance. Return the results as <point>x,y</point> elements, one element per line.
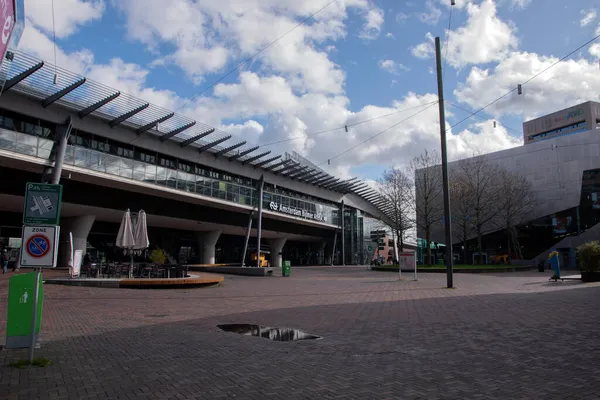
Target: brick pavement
<point>498,336</point>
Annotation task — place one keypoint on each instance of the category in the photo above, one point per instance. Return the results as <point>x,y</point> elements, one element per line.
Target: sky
<point>365,64</point>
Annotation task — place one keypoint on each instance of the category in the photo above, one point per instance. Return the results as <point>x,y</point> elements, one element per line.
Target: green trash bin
<point>286,269</point>
<point>20,310</point>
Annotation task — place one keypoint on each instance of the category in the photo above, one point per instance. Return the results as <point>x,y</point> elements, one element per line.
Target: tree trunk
<point>400,235</point>
<point>428,244</point>
<point>516,243</point>
<point>464,244</point>
<point>479,246</point>
<point>509,237</point>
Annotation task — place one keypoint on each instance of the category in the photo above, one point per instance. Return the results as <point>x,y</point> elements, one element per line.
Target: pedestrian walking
<point>4,259</point>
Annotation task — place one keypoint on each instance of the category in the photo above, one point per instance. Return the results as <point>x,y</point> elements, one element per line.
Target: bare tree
<point>427,172</point>
<point>462,210</point>
<point>516,200</point>
<point>396,187</point>
<point>481,182</point>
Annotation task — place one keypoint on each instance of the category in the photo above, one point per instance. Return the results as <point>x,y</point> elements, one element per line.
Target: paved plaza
<point>497,336</point>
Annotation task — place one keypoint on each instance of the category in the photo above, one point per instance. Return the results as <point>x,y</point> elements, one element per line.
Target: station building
<point>200,187</point>
<point>564,170</point>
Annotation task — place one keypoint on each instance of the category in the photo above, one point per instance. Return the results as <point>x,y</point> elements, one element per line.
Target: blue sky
<point>360,59</point>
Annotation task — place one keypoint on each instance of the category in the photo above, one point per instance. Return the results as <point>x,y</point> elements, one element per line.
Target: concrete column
<point>322,253</point>
<point>80,227</point>
<point>206,245</point>
<point>276,246</point>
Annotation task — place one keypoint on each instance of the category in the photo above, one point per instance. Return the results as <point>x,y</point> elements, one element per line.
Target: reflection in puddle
<point>276,334</point>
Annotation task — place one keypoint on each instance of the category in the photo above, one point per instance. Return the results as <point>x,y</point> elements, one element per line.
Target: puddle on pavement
<point>276,334</point>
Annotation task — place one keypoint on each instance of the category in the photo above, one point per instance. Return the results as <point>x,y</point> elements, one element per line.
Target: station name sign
<point>296,212</point>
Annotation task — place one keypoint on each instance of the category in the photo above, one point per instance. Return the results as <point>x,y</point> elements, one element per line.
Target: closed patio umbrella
<point>125,238</point>
<point>141,233</point>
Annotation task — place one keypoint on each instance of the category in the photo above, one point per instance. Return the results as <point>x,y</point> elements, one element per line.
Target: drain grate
<point>276,334</point>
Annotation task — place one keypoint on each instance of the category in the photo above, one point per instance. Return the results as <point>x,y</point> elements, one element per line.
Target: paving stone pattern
<point>497,336</point>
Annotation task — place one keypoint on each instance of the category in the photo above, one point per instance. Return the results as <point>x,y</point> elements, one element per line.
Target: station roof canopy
<point>51,84</point>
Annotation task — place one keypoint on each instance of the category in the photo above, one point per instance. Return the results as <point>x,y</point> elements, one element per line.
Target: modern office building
<point>564,172</point>
<point>200,187</point>
<point>580,118</point>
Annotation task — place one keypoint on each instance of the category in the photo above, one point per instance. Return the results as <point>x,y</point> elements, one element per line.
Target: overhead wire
<point>54,42</point>
<point>344,126</point>
<point>525,82</point>
<point>429,105</point>
<point>481,117</point>
<point>447,40</point>
<point>247,60</point>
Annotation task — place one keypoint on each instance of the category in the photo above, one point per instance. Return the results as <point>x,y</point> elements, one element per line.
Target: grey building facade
<point>564,172</point>
<point>580,118</point>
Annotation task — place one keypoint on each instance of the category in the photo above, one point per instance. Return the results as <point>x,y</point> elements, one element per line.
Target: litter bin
<point>286,269</point>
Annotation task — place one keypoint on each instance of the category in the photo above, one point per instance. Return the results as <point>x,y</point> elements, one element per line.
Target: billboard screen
<point>7,22</point>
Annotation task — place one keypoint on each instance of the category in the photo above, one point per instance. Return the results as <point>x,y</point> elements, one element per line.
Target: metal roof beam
<point>18,78</point>
<point>128,115</point>
<point>290,168</point>
<point>322,179</point>
<point>279,164</point>
<point>293,171</point>
<point>301,173</point>
<point>265,162</point>
<point>228,149</point>
<point>212,144</point>
<point>363,192</point>
<point>176,131</point>
<point>312,175</point>
<point>249,160</point>
<point>342,183</point>
<point>61,93</point>
<point>243,153</point>
<point>93,107</point>
<point>153,124</point>
<point>316,178</point>
<point>193,139</point>
<point>329,182</point>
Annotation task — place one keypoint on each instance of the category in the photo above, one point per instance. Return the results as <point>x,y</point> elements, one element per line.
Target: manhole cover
<point>276,334</point>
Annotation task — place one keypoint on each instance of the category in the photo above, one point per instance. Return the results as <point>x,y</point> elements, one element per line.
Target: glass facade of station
<point>33,137</point>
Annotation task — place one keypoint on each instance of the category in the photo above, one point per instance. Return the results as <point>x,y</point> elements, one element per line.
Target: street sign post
<point>21,290</point>
<point>42,204</point>
<point>408,261</point>
<point>39,246</point>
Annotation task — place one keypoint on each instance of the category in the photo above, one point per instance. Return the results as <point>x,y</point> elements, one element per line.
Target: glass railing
<point>143,172</point>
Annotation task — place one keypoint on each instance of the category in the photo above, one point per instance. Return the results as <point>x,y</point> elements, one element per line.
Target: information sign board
<point>42,204</point>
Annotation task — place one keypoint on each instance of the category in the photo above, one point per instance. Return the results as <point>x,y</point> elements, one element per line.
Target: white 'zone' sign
<point>408,261</point>
<point>39,246</point>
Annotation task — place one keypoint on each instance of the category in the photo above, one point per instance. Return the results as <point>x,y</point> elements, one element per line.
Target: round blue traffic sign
<point>37,246</point>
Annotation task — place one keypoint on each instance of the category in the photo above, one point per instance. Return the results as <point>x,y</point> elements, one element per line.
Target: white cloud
<point>249,130</point>
<point>484,38</point>
<point>392,67</point>
<point>401,18</point>
<point>587,17</point>
<point>520,3</point>
<point>569,82</point>
<point>36,43</point>
<point>390,35</point>
<point>595,50</point>
<point>69,15</point>
<point>372,27</point>
<point>212,34</point>
<point>424,49</point>
<point>432,15</point>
